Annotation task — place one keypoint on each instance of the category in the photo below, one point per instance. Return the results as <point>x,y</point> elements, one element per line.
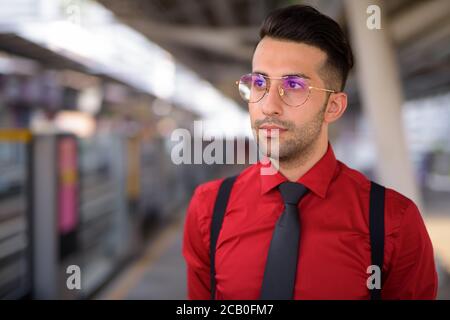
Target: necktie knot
<point>292,192</point>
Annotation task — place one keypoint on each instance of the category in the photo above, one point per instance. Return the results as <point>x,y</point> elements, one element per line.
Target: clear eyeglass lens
<point>295,90</point>
<point>253,87</point>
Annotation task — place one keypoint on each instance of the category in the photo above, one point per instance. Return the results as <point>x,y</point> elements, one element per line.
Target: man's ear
<point>337,103</point>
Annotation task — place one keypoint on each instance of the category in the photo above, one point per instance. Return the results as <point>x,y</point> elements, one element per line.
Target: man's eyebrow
<point>302,75</point>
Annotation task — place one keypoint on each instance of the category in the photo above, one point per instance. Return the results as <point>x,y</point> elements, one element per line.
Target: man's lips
<point>272,127</point>
<point>271,130</point>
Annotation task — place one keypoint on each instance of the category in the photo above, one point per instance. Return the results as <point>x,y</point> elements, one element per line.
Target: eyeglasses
<point>293,90</point>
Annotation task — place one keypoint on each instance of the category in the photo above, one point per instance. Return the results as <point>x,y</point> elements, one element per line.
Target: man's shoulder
<point>208,187</point>
<point>207,191</point>
<point>396,203</point>
<point>358,180</point>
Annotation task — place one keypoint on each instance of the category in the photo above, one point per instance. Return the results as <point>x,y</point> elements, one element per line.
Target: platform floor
<point>158,275</point>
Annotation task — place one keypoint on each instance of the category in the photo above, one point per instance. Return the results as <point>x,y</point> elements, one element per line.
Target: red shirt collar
<point>317,179</point>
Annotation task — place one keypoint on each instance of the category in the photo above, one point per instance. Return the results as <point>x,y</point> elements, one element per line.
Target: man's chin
<point>272,153</point>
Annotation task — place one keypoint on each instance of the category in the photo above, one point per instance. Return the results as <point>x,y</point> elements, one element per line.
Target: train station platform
<point>158,274</point>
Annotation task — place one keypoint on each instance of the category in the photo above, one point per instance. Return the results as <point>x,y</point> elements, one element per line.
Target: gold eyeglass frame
<point>281,90</point>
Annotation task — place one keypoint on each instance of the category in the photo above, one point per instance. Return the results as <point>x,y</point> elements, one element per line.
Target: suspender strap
<point>376,225</point>
<point>216,224</point>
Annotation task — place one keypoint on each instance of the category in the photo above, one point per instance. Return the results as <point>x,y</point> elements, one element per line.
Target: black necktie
<point>281,265</point>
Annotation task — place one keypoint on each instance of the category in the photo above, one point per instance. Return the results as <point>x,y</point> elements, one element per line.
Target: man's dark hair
<point>304,24</point>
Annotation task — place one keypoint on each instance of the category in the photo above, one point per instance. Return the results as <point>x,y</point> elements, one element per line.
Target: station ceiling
<point>216,38</point>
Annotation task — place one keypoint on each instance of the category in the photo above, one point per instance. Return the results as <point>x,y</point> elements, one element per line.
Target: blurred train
<point>88,202</point>
<point>68,198</point>
<point>85,176</point>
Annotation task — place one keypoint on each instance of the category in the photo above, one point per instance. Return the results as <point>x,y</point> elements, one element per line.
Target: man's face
<point>298,127</point>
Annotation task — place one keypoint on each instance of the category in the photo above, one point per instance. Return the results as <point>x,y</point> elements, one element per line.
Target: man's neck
<point>295,169</point>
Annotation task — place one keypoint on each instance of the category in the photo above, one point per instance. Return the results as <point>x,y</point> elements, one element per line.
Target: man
<point>295,91</point>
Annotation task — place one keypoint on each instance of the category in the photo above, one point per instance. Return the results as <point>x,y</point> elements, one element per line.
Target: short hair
<point>304,24</point>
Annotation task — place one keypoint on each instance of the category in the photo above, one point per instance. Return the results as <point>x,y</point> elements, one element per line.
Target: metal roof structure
<point>216,38</point>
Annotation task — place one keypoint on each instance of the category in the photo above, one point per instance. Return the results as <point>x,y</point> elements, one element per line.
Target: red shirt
<point>334,251</point>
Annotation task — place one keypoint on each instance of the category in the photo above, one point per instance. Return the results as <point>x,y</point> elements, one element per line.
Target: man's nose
<point>272,103</point>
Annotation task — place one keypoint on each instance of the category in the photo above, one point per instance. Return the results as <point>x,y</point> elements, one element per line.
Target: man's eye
<point>259,83</point>
<point>294,85</point>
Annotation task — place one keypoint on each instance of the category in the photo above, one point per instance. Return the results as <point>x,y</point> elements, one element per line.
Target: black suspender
<point>376,226</point>
<point>216,224</point>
